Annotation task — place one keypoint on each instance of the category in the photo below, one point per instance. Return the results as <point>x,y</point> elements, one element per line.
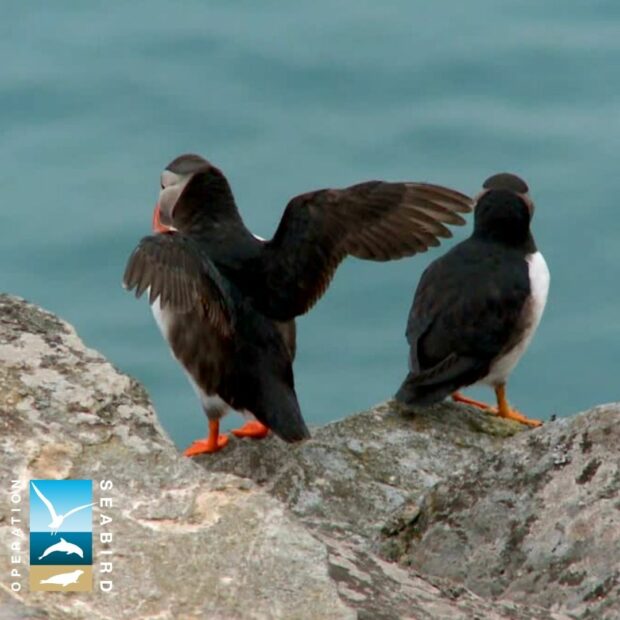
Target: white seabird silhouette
<point>57,519</point>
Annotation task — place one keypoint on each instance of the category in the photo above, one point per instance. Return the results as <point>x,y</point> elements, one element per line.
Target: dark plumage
<point>226,300</point>
<point>477,307</point>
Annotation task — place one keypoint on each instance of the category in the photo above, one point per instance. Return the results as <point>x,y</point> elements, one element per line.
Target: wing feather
<point>460,317</point>
<point>375,220</point>
<point>174,270</point>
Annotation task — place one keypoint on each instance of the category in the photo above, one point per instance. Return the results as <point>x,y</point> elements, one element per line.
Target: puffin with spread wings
<point>226,300</point>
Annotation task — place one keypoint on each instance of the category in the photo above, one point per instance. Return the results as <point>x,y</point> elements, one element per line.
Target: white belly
<point>539,287</point>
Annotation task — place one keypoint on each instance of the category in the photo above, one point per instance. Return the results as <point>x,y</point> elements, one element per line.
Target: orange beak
<point>158,227</point>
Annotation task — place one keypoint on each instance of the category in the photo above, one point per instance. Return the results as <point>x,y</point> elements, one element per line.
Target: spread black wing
<point>466,311</point>
<point>375,220</point>
<point>174,270</point>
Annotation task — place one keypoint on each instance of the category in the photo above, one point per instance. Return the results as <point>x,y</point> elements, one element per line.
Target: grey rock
<point>537,521</point>
<point>354,474</point>
<point>331,528</point>
<point>187,543</point>
<point>458,496</point>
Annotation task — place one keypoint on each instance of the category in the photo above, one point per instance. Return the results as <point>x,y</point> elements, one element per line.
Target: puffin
<point>226,300</point>
<point>477,307</point>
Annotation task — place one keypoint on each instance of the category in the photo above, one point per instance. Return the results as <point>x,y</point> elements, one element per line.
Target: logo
<point>61,535</point>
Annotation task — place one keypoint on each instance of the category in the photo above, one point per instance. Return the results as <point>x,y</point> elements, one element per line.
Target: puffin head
<point>510,183</point>
<point>192,191</point>
<point>504,208</point>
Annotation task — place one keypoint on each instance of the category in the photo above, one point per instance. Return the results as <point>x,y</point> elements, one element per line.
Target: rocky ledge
<point>437,513</point>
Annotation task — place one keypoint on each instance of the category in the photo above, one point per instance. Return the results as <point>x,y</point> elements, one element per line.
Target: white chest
<point>539,283</point>
<point>163,318</point>
<point>539,287</point>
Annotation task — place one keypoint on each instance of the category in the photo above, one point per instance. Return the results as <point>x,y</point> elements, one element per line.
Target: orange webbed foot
<point>517,416</point>
<point>253,429</point>
<point>457,397</point>
<point>504,410</point>
<point>206,446</point>
<point>212,443</point>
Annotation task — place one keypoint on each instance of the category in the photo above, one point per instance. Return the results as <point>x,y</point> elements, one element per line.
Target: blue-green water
<point>95,98</point>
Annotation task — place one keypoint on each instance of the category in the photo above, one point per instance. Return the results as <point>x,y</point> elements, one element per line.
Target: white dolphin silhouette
<point>64,579</point>
<point>62,546</point>
<point>56,518</point>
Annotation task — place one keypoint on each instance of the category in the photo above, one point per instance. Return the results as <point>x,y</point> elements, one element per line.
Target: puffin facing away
<point>226,300</point>
<point>477,307</point>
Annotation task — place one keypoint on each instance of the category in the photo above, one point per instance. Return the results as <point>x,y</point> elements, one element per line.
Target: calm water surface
<point>285,98</point>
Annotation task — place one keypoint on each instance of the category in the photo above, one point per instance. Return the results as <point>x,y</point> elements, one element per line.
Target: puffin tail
<point>413,392</point>
<point>281,413</point>
<point>433,385</point>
